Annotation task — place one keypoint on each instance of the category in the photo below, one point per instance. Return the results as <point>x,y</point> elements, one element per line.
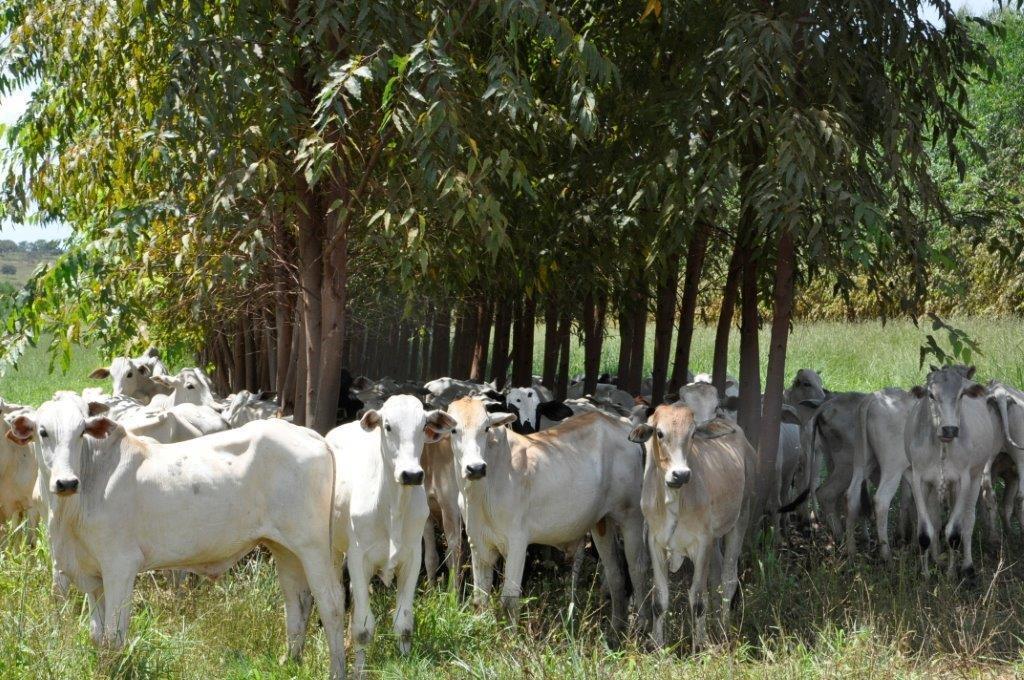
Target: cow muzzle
<point>949,433</point>
<point>66,487</point>
<point>677,478</point>
<point>411,477</point>
<point>476,471</point>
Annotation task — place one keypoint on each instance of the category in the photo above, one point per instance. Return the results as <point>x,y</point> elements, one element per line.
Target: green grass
<point>806,612</point>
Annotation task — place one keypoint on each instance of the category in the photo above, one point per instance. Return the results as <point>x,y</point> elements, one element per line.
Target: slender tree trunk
<point>551,340</point>
<point>688,307</point>
<point>638,345</point>
<point>334,298</point>
<point>561,386</point>
<point>499,354</point>
<point>720,364</point>
<point>593,338</point>
<point>423,369</point>
<point>771,415</point>
<point>238,358</point>
<point>522,344</point>
<point>460,367</point>
<point>400,362</point>
<point>249,343</point>
<point>310,245</point>
<point>664,313</point>
<point>439,351</point>
<point>482,342</point>
<point>301,378</point>
<point>625,346</point>
<point>282,322</point>
<point>291,371</point>
<point>749,412</point>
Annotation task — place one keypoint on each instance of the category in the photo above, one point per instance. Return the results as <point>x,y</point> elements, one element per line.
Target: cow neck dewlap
<point>666,504</point>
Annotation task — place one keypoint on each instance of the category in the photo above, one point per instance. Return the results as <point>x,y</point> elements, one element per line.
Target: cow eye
<point>129,374</point>
<point>453,431</point>
<point>42,432</point>
<point>190,387</point>
<point>387,427</point>
<point>661,435</point>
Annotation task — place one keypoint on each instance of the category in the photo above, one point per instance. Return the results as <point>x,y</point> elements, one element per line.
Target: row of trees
<point>38,247</point>
<point>407,188</point>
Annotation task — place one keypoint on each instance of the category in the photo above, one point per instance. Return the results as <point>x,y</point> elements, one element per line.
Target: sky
<point>12,105</point>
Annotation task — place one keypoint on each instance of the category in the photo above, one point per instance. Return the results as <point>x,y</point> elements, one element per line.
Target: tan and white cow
<point>381,508</point>
<point>548,488</point>
<point>120,505</point>
<point>696,488</point>
<point>17,478</point>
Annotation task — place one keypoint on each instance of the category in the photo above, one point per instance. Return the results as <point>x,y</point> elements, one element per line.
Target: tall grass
<point>805,611</point>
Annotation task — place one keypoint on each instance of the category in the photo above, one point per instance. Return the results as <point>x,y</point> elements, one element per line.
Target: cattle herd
<point>162,474</point>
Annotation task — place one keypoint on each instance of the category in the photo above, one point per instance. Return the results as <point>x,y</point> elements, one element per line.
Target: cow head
<point>807,386</point>
<point>944,389</point>
<point>404,428</point>
<point>473,427</point>
<point>190,386</point>
<point>527,404</point>
<point>129,377</point>
<point>702,399</point>
<point>59,427</point>
<point>671,430</point>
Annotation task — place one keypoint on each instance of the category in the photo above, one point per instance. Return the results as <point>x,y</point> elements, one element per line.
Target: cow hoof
<point>405,643</point>
<point>968,573</point>
<point>924,540</point>
<point>954,540</point>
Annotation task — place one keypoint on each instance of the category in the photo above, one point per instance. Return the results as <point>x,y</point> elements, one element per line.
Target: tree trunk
<point>720,363</point>
<point>771,413</point>
<point>301,377</point>
<point>310,247</point>
<point>439,351</point>
<point>664,315</point>
<point>482,342</point>
<point>625,346</point>
<point>334,297</point>
<point>287,393</point>
<point>688,308</point>
<point>749,413</point>
<point>460,367</point>
<point>561,386</point>
<point>551,340</point>
<point>593,338</point>
<point>283,325</point>
<point>249,343</point>
<point>638,345</point>
<point>522,343</point>
<point>499,354</point>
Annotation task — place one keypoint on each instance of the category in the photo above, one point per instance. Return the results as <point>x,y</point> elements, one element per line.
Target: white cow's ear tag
<point>675,560</point>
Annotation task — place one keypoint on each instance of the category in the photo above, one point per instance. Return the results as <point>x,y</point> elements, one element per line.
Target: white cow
<point>17,477</point>
<point>245,407</point>
<point>121,505</point>
<point>550,488</point>
<point>189,386</point>
<point>133,377</point>
<point>381,507</point>
<point>696,489</point>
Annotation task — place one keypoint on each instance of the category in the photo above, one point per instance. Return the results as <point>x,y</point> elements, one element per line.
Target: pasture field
<point>805,612</point>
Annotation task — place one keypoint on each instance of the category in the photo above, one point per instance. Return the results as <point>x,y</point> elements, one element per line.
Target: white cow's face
<point>945,389</point>
<point>470,436</point>
<point>59,427</point>
<point>702,399</point>
<point>525,400</point>
<point>190,386</point>
<point>404,429</point>
<point>129,377</point>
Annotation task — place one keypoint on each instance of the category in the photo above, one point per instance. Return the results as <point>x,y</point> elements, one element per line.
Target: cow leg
<point>512,584</point>
<point>925,528</point>
<point>990,515</point>
<point>118,582</point>
<point>853,510</point>
<point>632,528</point>
<point>430,549</point>
<point>95,599</point>
<point>828,498</point>
<point>967,561</point>
<point>730,571</point>
<point>363,622</point>
<point>953,533</point>
<point>482,559</point>
<point>322,577</point>
<point>887,487</point>
<point>607,549</point>
<point>452,525</point>
<point>907,511</point>
<point>298,600</point>
<point>408,572</point>
<point>1010,493</point>
<point>659,572</point>
<point>699,592</point>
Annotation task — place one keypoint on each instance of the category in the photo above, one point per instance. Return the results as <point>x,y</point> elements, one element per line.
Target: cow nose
<point>66,487</point>
<point>950,432</point>
<point>476,470</point>
<point>411,478</point>
<point>678,478</point>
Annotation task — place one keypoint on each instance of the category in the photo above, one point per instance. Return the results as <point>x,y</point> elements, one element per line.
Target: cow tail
<point>862,451</point>
<point>1004,415</point>
<point>808,440</point>
<point>330,514</point>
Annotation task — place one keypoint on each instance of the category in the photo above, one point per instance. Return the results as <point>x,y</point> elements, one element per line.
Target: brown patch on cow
<point>601,527</point>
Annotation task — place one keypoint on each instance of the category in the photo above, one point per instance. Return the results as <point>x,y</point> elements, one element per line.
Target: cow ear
<point>152,353</point>
<point>641,433</point>
<point>99,427</point>
<point>970,372</point>
<point>370,420</point>
<point>500,418</point>
<point>439,425</point>
<point>713,429</point>
<point>975,391</point>
<point>790,415</point>
<point>22,430</point>
<point>97,408</point>
<point>918,391</point>
<point>100,374</point>
<point>496,406</point>
<point>933,368</point>
<point>730,403</point>
<point>554,410</point>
